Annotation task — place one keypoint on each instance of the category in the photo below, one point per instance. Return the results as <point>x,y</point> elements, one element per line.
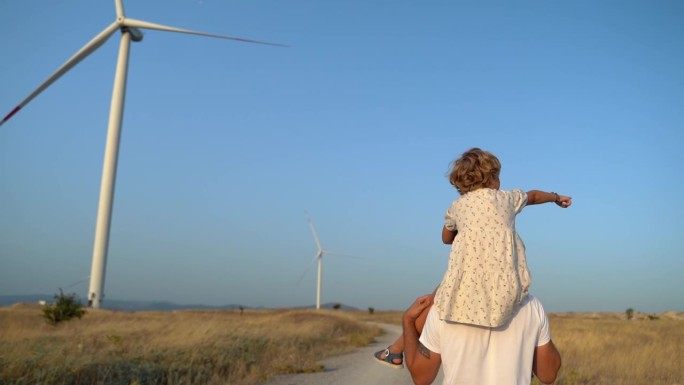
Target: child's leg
<point>397,346</point>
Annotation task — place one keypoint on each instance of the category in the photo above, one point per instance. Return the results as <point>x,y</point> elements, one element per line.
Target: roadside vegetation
<point>246,347</point>
<point>65,307</point>
<point>181,347</point>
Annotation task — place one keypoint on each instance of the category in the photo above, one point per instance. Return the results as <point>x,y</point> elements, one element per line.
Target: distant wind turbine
<point>130,31</point>
<point>319,258</point>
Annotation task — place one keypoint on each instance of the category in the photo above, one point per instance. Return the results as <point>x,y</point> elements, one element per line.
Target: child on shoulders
<point>487,276</point>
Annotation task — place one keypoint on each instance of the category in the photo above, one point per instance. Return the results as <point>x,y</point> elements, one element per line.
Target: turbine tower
<point>319,259</point>
<point>130,31</point>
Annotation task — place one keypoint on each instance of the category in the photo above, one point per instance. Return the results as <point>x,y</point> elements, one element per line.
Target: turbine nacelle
<point>136,34</point>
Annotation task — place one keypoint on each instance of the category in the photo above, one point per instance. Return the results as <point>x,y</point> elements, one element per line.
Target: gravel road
<point>356,368</point>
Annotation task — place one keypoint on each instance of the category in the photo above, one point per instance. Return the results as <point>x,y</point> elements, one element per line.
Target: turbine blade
<point>308,268</point>
<point>119,8</point>
<point>313,230</point>
<point>78,282</point>
<point>86,50</point>
<point>341,255</point>
<point>159,27</point>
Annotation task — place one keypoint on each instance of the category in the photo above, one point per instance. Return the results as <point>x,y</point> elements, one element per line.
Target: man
<point>478,355</point>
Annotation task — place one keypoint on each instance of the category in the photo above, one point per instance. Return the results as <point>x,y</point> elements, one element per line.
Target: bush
<point>629,313</point>
<point>371,310</point>
<point>66,307</point>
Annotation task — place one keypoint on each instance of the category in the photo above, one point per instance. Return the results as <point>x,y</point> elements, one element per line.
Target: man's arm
<point>420,361</point>
<point>546,362</point>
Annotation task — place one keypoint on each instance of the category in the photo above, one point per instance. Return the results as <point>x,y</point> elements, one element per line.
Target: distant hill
<point>7,300</point>
<point>330,306</point>
<point>162,306</point>
<point>113,304</point>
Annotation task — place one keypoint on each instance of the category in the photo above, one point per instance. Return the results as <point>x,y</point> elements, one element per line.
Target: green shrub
<point>66,307</point>
<point>629,313</point>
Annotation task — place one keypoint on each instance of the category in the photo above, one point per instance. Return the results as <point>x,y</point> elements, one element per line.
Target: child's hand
<point>564,201</point>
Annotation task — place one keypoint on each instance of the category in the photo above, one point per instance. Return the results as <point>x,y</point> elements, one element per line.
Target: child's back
<point>487,274</point>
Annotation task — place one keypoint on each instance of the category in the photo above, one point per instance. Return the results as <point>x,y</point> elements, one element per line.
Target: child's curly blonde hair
<point>475,169</point>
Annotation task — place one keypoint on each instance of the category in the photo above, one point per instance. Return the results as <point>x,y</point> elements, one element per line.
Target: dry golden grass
<point>188,347</point>
<point>387,317</point>
<point>219,347</point>
<point>604,349</point>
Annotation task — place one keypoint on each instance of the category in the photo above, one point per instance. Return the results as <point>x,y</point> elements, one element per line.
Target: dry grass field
<point>183,347</point>
<point>225,347</point>
<point>603,349</point>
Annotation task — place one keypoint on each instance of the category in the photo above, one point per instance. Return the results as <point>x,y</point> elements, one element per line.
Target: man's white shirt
<point>474,355</point>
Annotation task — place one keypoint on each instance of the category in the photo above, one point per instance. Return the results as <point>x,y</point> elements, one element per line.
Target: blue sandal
<point>389,358</point>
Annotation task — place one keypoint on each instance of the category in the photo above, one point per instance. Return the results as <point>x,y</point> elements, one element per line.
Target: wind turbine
<point>319,259</point>
<point>130,31</point>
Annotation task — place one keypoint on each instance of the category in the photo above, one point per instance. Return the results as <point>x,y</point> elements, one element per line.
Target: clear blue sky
<point>226,144</point>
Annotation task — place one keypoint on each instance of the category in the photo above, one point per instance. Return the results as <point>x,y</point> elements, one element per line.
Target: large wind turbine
<point>130,31</point>
<point>319,259</point>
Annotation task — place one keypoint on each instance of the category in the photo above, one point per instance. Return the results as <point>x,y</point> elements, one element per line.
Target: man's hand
<point>420,304</point>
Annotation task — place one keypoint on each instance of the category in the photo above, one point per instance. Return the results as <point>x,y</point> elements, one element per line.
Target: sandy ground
<point>356,368</point>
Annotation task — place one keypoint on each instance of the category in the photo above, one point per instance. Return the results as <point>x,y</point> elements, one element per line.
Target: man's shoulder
<point>534,302</point>
<point>532,307</point>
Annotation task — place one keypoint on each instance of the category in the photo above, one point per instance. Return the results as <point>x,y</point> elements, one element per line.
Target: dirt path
<point>356,368</point>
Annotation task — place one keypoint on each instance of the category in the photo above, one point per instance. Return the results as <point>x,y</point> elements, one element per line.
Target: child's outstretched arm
<point>535,197</point>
